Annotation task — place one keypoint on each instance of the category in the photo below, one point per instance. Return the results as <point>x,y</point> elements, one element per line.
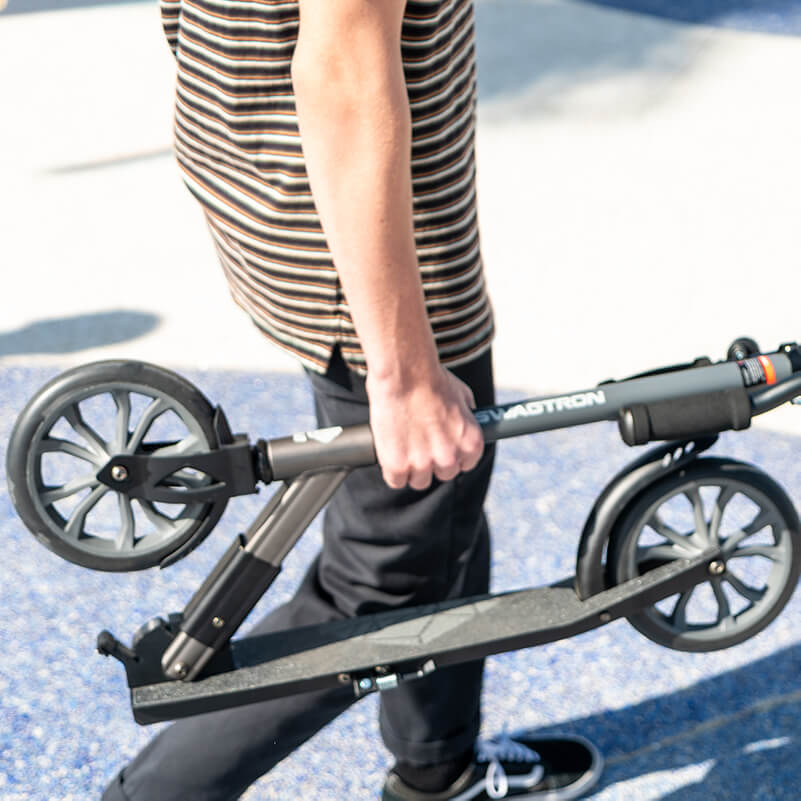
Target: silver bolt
<point>217,622</point>
<point>365,684</point>
<point>716,568</point>
<point>119,473</point>
<point>343,678</point>
<point>179,669</point>
<point>382,670</point>
<point>605,617</point>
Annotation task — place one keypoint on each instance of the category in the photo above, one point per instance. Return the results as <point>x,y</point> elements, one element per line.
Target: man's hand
<point>355,123</point>
<point>423,428</point>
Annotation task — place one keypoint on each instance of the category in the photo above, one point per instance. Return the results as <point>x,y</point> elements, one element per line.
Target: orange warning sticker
<point>767,366</point>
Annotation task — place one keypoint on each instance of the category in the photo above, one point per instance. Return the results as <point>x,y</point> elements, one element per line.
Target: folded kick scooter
<point>121,466</point>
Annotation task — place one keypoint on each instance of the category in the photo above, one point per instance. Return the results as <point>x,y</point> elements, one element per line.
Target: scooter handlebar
<point>320,450</point>
<point>764,400</point>
<point>353,446</point>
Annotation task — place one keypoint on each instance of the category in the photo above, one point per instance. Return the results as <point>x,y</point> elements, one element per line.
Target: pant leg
<point>382,549</point>
<point>389,548</point>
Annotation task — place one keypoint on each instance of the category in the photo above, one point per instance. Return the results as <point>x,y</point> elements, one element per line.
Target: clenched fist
<point>423,427</point>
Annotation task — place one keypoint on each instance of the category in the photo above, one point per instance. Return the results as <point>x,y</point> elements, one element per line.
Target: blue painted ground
<point>672,725</point>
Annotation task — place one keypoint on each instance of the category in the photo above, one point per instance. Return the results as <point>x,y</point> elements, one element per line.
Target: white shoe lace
<point>504,748</point>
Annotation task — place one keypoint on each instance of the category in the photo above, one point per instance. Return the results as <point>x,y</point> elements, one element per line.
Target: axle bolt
<point>717,568</point>
<point>343,678</point>
<point>119,473</point>
<point>217,622</point>
<point>179,669</point>
<point>366,684</point>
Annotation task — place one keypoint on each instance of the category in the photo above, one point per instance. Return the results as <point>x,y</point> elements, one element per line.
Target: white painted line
<point>762,706</point>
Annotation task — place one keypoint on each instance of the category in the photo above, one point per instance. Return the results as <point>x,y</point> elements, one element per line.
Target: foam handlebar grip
<point>709,413</point>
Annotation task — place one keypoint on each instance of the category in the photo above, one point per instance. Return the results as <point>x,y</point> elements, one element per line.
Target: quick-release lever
<point>381,679</point>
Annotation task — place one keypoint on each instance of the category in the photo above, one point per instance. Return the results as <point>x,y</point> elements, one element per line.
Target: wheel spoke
<point>188,444</point>
<point>664,530</point>
<point>701,527</point>
<point>160,521</point>
<point>757,524</point>
<point>56,445</point>
<point>658,554</point>
<point>739,586</point>
<point>122,401</point>
<point>125,537</point>
<point>77,520</point>
<point>74,417</point>
<point>51,495</point>
<point>725,618</point>
<point>182,478</point>
<point>726,493</point>
<point>156,408</point>
<point>678,617</point>
<point>772,552</point>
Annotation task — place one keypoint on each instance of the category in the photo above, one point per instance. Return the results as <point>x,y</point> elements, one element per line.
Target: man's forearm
<point>354,120</point>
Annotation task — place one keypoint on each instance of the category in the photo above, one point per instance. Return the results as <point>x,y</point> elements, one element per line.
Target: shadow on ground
<point>533,52</point>
<point>29,6</point>
<point>71,334</point>
<point>734,736</point>
<point>538,59</point>
<point>534,55</point>
<point>770,16</point>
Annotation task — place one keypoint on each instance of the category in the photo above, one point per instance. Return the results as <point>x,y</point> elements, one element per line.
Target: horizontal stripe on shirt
<point>238,145</point>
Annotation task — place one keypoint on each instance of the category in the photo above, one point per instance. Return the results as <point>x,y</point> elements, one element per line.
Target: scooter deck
<point>378,651</point>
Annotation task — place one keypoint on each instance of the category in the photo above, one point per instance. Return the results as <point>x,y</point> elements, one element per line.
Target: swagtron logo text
<point>581,400</point>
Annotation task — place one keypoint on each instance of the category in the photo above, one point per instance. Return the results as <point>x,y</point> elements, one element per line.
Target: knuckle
<point>448,456</point>
<point>471,458</point>
<point>394,473</point>
<point>447,473</point>
<point>420,481</point>
<point>476,440</point>
<point>394,481</point>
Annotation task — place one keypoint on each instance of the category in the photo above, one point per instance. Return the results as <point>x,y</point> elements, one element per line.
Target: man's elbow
<point>325,77</point>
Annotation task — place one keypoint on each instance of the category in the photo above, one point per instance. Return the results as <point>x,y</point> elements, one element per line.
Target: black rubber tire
<point>43,411</point>
<point>652,623</point>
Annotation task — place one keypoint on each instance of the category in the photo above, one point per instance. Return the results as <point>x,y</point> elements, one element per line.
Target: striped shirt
<point>237,142</point>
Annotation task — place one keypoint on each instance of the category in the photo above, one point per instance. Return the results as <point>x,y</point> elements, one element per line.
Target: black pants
<point>382,549</point>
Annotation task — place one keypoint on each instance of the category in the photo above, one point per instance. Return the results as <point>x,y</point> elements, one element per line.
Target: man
<point>330,143</point>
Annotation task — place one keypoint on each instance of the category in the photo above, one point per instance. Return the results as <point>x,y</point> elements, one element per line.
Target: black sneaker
<point>519,765</point>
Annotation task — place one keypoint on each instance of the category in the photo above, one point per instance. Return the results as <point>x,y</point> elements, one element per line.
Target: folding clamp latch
<point>379,679</point>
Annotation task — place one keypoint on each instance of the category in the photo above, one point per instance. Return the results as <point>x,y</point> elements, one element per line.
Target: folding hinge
<point>229,470</point>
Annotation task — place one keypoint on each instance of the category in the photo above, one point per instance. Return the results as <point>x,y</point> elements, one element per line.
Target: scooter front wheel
<point>713,502</point>
<point>72,427</point>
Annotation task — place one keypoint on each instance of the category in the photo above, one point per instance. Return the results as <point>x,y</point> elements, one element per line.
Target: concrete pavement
<point>638,186</point>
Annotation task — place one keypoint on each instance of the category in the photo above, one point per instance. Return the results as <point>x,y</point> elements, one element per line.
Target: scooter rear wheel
<point>718,502</point>
<point>72,427</point>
